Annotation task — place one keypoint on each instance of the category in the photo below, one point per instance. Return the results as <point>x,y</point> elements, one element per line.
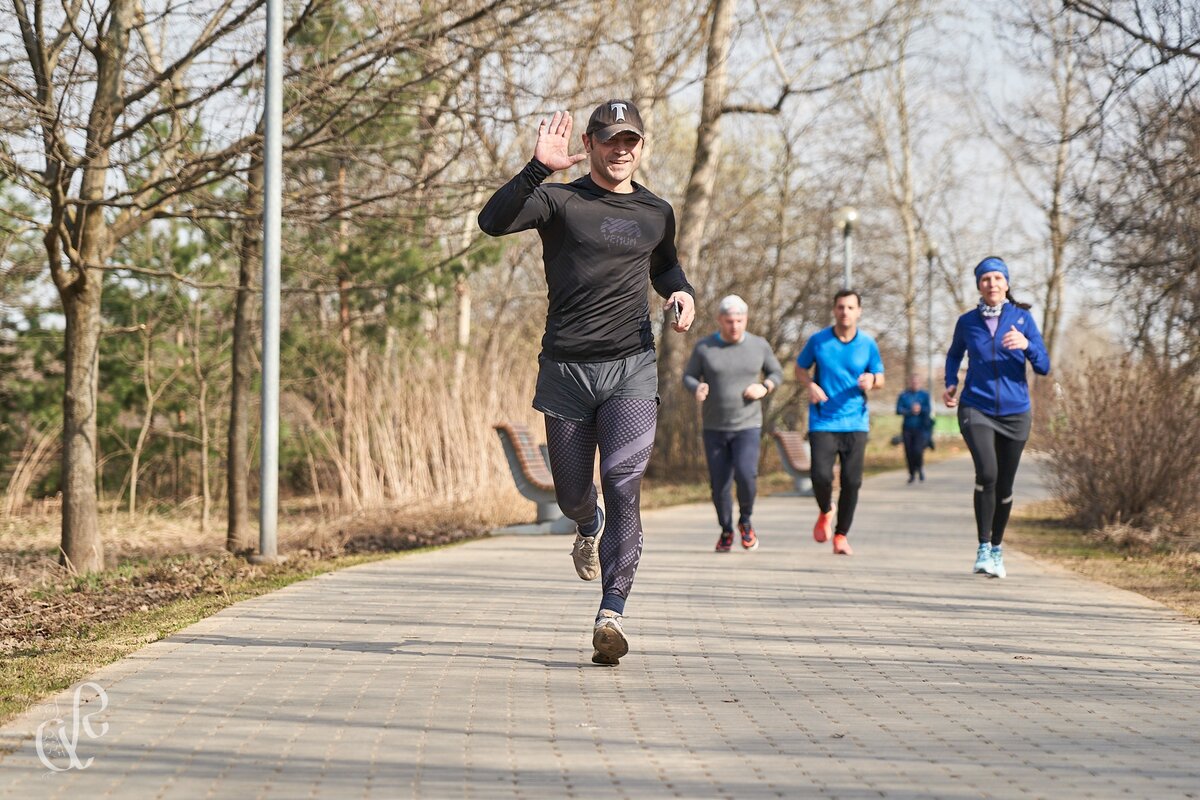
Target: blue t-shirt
<point>838,366</point>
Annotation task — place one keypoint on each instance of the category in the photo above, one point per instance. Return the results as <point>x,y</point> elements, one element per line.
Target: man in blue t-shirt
<point>847,367</point>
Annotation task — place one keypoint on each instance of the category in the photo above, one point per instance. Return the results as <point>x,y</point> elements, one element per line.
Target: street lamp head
<point>931,249</point>
<point>845,217</point>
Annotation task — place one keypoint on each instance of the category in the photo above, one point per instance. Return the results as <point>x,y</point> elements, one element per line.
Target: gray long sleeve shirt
<point>728,368</point>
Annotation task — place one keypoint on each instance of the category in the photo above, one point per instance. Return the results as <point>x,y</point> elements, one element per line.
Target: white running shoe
<point>983,559</point>
<point>608,639</point>
<point>996,568</point>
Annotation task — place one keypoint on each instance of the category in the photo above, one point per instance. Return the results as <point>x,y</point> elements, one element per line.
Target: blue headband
<point>991,264</point>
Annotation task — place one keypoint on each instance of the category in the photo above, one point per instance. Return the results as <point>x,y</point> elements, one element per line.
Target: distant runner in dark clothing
<point>914,405</point>
<point>604,238</point>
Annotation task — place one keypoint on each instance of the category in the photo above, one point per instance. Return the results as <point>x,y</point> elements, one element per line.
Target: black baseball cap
<point>615,116</point>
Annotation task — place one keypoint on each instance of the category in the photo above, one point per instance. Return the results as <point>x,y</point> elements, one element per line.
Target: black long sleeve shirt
<point>599,249</point>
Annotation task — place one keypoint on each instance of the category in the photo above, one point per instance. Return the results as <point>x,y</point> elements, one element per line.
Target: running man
<point>730,373</point>
<point>914,405</point>
<point>604,238</point>
<point>1000,337</point>
<point>848,367</point>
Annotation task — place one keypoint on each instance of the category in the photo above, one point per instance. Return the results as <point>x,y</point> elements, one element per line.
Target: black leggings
<point>623,429</point>
<point>914,449</point>
<point>851,447</point>
<point>996,458</point>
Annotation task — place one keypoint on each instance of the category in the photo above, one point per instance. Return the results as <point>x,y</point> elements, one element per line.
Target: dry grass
<point>1155,569</point>
<point>1124,446</point>
<point>56,628</point>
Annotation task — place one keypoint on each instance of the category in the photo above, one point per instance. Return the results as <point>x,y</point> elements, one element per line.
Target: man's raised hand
<point>553,141</point>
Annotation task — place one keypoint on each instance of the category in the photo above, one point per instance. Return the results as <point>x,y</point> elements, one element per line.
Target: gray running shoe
<point>586,552</point>
<point>609,639</point>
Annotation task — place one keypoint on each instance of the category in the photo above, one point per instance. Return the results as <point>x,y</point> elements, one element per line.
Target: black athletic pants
<point>914,449</point>
<point>996,458</point>
<point>850,447</point>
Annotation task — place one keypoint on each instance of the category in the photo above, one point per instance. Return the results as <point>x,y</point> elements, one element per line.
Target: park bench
<point>530,468</point>
<point>794,453</point>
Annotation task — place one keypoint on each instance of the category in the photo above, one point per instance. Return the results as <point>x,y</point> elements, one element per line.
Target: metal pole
<point>272,196</point>
<point>847,251</point>
<point>929,348</point>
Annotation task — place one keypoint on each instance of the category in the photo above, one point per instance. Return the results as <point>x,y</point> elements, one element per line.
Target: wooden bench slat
<point>529,456</point>
<point>792,446</point>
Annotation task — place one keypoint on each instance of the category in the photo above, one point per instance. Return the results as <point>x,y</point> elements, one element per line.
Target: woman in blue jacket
<point>1000,337</point>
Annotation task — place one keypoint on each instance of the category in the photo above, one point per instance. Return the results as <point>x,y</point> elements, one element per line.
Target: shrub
<point>1124,445</point>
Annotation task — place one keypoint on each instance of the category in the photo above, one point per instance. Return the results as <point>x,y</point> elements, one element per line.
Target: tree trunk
<point>238,536</point>
<point>644,71</point>
<point>676,445</point>
<point>82,550</point>
<point>80,289</point>
<point>462,294</point>
<point>1064,77</point>
<point>908,211</point>
<point>349,494</point>
<point>202,418</point>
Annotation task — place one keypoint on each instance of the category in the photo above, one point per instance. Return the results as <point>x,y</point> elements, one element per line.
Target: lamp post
<point>931,254</point>
<point>844,219</point>
<point>272,199</point>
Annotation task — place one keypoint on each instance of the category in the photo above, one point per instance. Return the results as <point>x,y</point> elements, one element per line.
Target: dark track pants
<point>733,457</point>
<point>914,448</point>
<point>850,447</point>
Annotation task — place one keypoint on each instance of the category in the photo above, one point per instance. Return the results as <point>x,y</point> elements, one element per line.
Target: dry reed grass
<point>424,461</point>
<point>1124,446</point>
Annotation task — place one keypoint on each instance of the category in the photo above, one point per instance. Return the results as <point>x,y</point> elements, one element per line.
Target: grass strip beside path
<point>1170,576</point>
<point>70,630</point>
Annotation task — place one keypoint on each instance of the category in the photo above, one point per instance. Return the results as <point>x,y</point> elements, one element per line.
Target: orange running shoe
<point>823,529</point>
<point>841,547</point>
<point>749,538</point>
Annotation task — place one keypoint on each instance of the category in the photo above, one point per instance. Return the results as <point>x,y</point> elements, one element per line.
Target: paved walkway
<point>780,673</point>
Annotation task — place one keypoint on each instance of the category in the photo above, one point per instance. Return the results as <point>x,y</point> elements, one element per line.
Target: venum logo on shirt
<point>620,232</point>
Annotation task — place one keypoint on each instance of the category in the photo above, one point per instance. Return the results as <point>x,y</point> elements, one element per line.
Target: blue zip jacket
<point>995,381</point>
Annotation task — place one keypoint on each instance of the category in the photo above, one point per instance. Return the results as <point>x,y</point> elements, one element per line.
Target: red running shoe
<point>841,547</point>
<point>823,529</point>
<point>749,540</point>
<point>725,543</point>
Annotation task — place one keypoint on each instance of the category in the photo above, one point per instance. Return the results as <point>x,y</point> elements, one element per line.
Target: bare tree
<point>128,119</point>
<point>891,120</point>
<point>675,443</point>
<point>1043,139</point>
<point>1142,198</point>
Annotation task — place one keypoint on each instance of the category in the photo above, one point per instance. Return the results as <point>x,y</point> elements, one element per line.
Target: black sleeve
<point>666,274</point>
<point>518,205</point>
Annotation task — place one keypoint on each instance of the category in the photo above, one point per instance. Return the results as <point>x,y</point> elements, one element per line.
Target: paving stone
<point>784,672</point>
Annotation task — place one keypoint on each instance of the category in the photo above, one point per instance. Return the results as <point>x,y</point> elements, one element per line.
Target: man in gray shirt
<point>730,373</point>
